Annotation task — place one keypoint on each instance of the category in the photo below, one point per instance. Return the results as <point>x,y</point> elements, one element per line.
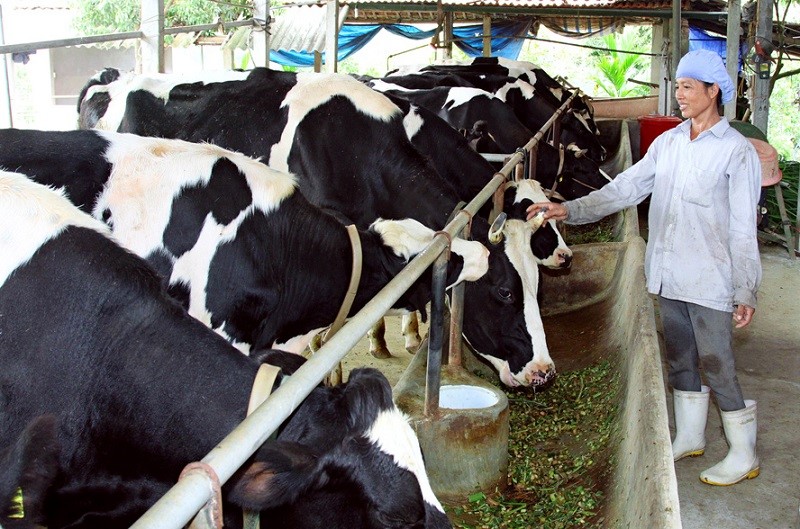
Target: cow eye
<point>504,293</point>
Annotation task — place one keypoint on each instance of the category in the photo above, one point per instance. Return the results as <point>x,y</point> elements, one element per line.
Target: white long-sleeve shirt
<point>702,245</point>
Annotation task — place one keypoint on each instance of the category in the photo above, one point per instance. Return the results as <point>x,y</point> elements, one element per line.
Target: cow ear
<point>367,393</point>
<point>30,468</point>
<point>278,474</point>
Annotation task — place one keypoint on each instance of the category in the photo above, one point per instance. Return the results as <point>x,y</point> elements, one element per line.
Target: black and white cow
<point>469,173</point>
<point>565,170</point>
<point>237,244</point>
<point>524,87</point>
<point>138,389</point>
<point>348,148</point>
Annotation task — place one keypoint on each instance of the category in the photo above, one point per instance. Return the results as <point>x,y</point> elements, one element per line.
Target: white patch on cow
<point>298,344</point>
<point>517,68</point>
<point>461,95</point>
<point>393,435</point>
<point>192,267</point>
<point>149,173</point>
<point>526,89</point>
<point>315,89</point>
<point>409,237</point>
<point>517,247</point>
<point>413,122</point>
<point>382,86</point>
<point>30,215</point>
<point>243,347</point>
<point>159,85</point>
<point>582,119</point>
<point>532,190</point>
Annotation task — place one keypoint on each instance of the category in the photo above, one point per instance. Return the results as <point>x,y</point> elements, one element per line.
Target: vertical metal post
<point>5,86</point>
<point>487,36</point>
<point>533,156</point>
<point>732,51</point>
<point>760,104</point>
<point>152,44</point>
<point>457,316</point>
<point>332,36</point>
<point>436,335</point>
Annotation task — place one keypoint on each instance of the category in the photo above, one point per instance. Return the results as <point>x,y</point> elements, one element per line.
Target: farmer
<point>702,256</point>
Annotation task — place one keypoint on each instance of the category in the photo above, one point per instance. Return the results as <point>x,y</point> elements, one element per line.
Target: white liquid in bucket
<point>462,397</point>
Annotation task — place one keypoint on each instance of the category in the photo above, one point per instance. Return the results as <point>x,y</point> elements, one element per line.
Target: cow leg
<point>377,340</point>
<point>410,325</point>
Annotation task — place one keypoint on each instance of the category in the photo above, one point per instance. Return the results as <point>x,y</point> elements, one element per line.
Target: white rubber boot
<point>691,413</point>
<point>741,462</point>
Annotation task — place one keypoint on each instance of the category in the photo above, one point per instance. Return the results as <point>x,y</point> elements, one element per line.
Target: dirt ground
<point>392,367</point>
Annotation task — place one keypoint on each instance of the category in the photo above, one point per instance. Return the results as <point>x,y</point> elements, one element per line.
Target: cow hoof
<point>381,352</point>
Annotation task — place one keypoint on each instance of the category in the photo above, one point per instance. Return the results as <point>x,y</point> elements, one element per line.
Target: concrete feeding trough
<point>604,300</point>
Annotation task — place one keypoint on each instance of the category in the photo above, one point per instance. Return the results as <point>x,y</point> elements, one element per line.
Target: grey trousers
<point>698,337</point>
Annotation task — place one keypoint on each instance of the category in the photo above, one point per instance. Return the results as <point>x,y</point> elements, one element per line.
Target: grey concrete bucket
<point>465,444</point>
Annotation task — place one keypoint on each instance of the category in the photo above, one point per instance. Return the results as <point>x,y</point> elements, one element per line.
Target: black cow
<point>236,243</point>
<point>347,145</point>
<point>469,172</point>
<point>138,389</point>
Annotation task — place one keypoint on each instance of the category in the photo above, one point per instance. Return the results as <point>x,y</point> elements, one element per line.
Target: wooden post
<point>675,52</point>
<point>760,103</point>
<point>7,119</point>
<point>448,35</point>
<point>152,44</point>
<point>261,38</point>
<point>732,52</point>
<point>332,36</point>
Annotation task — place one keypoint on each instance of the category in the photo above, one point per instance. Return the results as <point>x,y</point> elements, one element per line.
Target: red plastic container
<point>650,127</point>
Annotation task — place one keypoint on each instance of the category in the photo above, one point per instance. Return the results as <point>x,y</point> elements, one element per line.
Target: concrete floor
<point>768,365</point>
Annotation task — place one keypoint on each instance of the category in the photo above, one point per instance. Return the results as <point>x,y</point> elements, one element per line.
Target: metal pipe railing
<point>189,495</point>
<point>112,37</point>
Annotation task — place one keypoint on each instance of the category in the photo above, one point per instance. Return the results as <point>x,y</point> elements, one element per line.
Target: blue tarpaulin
<point>701,40</point>
<point>506,41</point>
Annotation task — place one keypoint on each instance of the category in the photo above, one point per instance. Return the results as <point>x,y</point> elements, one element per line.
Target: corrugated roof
<point>534,4</point>
<point>300,28</point>
<point>411,11</point>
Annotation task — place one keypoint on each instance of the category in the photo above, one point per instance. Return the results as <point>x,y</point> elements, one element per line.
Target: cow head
<point>369,461</point>
<point>503,325</point>
<point>547,244</point>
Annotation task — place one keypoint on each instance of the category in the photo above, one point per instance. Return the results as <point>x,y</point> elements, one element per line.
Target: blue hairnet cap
<point>706,65</point>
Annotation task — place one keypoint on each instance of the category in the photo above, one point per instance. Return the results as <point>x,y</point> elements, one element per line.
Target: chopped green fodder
<point>600,231</point>
<point>560,457</point>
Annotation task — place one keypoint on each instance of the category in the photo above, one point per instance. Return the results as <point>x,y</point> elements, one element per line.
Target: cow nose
<point>566,260</point>
<point>538,380</point>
